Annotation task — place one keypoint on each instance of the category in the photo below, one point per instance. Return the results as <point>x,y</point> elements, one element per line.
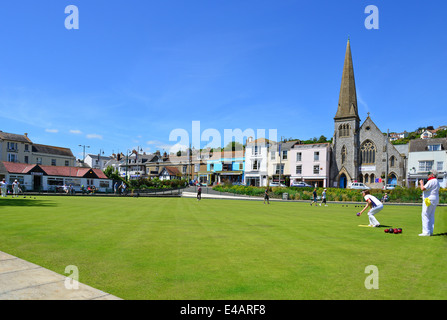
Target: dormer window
<point>434,147</point>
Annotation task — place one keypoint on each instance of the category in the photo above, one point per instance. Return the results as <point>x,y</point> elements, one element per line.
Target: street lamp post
<point>84,146</point>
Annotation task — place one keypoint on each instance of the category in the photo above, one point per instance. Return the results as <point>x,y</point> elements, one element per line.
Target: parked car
<point>301,184</point>
<point>358,185</point>
<point>276,184</point>
<point>389,187</point>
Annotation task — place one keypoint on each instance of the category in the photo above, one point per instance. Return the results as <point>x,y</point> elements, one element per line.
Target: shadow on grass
<point>26,202</point>
<point>440,234</point>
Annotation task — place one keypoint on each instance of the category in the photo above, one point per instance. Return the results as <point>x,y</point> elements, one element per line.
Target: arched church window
<point>392,161</point>
<point>344,153</point>
<point>368,152</point>
<point>344,130</point>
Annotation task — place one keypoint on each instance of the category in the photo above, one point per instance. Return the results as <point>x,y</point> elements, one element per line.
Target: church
<point>361,152</point>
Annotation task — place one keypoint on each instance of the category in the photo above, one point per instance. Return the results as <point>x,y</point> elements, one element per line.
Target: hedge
<point>399,195</point>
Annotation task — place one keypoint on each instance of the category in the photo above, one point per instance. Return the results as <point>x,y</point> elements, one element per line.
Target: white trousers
<point>428,217</point>
<point>372,218</point>
<point>3,192</point>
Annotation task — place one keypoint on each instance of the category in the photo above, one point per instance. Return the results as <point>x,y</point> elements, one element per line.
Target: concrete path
<point>22,280</point>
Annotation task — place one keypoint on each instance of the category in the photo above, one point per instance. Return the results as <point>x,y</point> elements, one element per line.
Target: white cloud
<point>153,142</point>
<point>76,131</point>
<point>94,136</point>
<point>52,130</point>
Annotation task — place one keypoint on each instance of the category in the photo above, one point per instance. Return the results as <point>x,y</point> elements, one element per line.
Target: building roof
<point>418,145</point>
<point>347,103</point>
<point>59,151</point>
<point>15,137</point>
<point>23,168</point>
<point>173,171</point>
<point>260,141</point>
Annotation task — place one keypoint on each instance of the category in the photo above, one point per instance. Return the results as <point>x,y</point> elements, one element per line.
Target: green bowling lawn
<point>177,248</point>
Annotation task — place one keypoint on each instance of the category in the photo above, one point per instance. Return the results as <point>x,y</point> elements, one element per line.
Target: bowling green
<point>179,248</point>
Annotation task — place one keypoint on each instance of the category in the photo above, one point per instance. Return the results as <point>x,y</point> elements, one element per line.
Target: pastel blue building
<point>225,167</point>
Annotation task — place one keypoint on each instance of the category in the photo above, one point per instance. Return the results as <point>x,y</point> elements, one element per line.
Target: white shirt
<point>432,190</point>
<point>3,184</point>
<point>374,201</point>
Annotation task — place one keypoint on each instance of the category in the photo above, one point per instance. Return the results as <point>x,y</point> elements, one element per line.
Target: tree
<point>234,146</point>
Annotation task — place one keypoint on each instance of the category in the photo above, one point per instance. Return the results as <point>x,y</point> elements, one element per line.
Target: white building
<point>97,161</point>
<point>424,155</point>
<point>310,163</point>
<point>256,161</point>
<point>34,177</point>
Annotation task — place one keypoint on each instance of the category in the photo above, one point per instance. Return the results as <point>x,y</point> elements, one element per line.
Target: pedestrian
<point>323,198</point>
<point>266,196</point>
<point>376,206</point>
<point>430,199</point>
<point>123,188</point>
<point>199,193</point>
<point>3,186</point>
<point>314,193</point>
<point>115,187</point>
<point>15,189</point>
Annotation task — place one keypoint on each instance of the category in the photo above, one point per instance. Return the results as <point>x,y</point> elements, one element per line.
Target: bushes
<point>156,184</point>
<point>399,195</point>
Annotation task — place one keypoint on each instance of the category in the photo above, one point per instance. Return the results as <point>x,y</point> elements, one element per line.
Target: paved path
<point>22,280</point>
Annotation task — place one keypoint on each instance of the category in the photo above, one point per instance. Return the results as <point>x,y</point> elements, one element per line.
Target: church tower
<point>345,144</point>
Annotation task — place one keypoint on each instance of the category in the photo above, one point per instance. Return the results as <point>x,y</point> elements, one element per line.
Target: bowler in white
<point>376,206</point>
<point>430,199</point>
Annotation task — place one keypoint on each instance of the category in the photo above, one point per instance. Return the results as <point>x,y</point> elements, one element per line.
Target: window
<point>344,130</point>
<point>425,166</point>
<point>272,155</point>
<point>316,156</point>
<point>371,178</point>
<point>12,157</point>
<point>38,160</point>
<point>439,166</point>
<point>280,168</point>
<point>434,147</point>
<point>241,166</point>
<point>27,147</point>
<point>12,146</point>
<point>344,153</point>
<point>299,169</point>
<point>196,167</point>
<point>392,161</point>
<point>67,163</point>
<point>317,169</point>
<point>368,153</point>
<point>104,184</point>
<point>211,166</point>
<point>284,155</point>
<point>256,165</point>
<point>55,181</point>
<point>26,159</point>
<point>255,151</point>
<point>53,162</point>
<point>366,178</point>
<point>184,168</point>
<point>299,156</point>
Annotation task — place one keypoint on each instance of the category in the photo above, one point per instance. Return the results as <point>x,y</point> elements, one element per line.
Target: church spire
<point>347,103</point>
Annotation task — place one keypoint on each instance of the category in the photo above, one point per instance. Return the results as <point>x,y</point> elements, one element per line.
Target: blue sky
<point>136,70</point>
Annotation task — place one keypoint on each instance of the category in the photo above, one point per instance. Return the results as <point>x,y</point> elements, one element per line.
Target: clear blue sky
<point>136,70</point>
